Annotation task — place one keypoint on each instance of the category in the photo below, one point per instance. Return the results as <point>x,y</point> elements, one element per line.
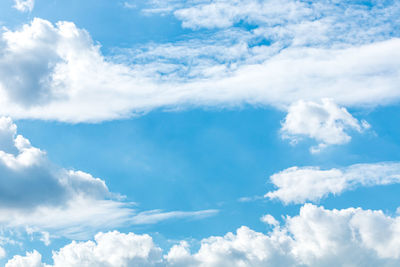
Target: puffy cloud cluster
<point>298,185</point>
<point>24,5</point>
<point>315,237</point>
<point>325,122</point>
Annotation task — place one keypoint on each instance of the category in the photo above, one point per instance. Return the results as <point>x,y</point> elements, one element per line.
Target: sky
<point>199,133</point>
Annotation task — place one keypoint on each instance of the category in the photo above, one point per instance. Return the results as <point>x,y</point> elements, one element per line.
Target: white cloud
<point>47,184</point>
<point>222,13</point>
<point>37,195</point>
<point>110,249</point>
<point>315,237</point>
<point>129,5</point>
<point>298,185</point>
<point>155,216</point>
<point>32,259</point>
<point>325,122</point>
<point>57,72</point>
<point>269,219</point>
<point>24,5</point>
<point>43,198</point>
<point>289,21</point>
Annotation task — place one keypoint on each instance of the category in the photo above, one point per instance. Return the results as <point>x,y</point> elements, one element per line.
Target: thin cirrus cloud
<point>289,22</point>
<point>325,122</point>
<point>36,194</point>
<point>24,5</point>
<point>56,71</point>
<point>315,237</point>
<point>301,184</point>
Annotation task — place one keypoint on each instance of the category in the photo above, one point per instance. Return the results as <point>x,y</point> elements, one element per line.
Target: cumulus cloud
<point>41,197</point>
<point>31,259</point>
<point>37,194</point>
<point>325,122</point>
<point>110,249</point>
<point>315,237</point>
<point>107,249</point>
<point>269,219</point>
<point>24,5</point>
<point>298,185</point>
<point>58,72</point>
<point>29,179</point>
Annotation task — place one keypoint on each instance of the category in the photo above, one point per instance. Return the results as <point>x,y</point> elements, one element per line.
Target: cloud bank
<point>57,72</point>
<point>315,237</point>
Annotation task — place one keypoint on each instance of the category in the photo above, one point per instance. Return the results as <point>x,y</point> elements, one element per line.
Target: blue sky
<point>199,133</point>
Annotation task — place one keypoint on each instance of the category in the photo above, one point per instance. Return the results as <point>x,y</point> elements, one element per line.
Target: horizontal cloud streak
<point>57,72</point>
<point>298,185</point>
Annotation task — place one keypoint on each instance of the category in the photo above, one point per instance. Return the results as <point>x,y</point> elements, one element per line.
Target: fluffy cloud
<point>107,249</point>
<point>315,237</point>
<point>110,249</point>
<point>41,197</point>
<point>325,122</point>
<point>32,259</point>
<point>57,72</point>
<point>29,179</point>
<point>37,194</point>
<point>298,185</point>
<point>24,5</point>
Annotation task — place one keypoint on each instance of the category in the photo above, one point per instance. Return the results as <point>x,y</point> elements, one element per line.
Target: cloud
<point>24,5</point>
<point>269,219</point>
<point>325,122</point>
<point>30,179</point>
<point>129,5</point>
<point>315,237</point>
<point>222,13</point>
<point>32,259</point>
<point>289,21</point>
<point>298,185</point>
<point>37,194</point>
<point>41,197</point>
<point>110,249</point>
<point>107,249</point>
<point>155,216</point>
<point>58,72</point>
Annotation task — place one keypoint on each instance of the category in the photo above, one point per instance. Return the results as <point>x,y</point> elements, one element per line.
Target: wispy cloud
<point>155,216</point>
<point>24,5</point>
<point>65,77</point>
